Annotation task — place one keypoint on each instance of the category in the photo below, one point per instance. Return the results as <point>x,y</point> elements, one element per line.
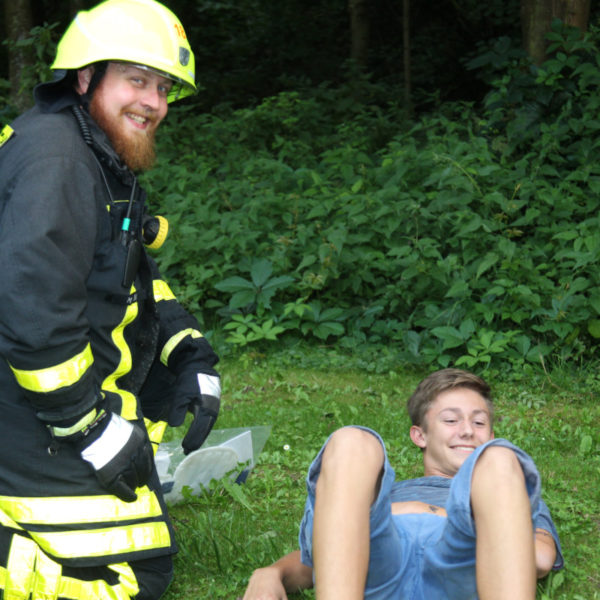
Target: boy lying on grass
<point>474,527</point>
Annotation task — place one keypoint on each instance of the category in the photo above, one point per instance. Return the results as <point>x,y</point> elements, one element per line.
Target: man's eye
<point>450,421</point>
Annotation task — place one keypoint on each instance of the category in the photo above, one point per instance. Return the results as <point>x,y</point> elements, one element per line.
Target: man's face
<point>128,104</point>
<point>456,423</point>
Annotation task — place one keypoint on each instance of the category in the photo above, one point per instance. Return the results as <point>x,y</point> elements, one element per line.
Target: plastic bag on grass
<point>234,451</point>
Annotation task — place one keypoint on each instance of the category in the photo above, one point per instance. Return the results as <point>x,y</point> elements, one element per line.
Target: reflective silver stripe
<point>210,385</point>
<point>110,443</point>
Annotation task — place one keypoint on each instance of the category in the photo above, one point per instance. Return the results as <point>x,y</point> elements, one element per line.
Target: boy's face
<point>456,423</point>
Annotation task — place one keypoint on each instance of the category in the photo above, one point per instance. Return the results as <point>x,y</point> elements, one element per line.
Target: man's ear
<point>84,76</point>
<point>417,435</point>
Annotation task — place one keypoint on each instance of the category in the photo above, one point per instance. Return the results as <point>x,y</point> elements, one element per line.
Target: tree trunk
<point>573,12</point>
<point>406,56</point>
<point>537,17</point>
<point>18,23</point>
<point>360,29</point>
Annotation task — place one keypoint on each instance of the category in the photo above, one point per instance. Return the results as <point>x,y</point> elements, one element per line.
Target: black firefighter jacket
<point>69,325</point>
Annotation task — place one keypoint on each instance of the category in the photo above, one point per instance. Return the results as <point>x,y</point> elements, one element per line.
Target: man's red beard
<point>136,151</point>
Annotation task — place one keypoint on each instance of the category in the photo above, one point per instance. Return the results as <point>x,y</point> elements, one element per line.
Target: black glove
<point>200,394</point>
<point>118,451</point>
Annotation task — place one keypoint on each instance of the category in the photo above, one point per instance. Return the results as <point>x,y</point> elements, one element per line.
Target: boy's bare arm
<point>288,574</point>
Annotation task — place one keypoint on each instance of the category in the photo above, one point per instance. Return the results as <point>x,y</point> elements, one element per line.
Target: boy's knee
<point>497,465</point>
<point>351,444</point>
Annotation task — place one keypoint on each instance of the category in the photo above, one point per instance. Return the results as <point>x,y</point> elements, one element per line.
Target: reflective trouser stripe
<point>21,568</point>
<point>65,510</point>
<point>6,521</point>
<point>32,574</point>
<point>155,432</point>
<point>105,542</point>
<point>121,534</point>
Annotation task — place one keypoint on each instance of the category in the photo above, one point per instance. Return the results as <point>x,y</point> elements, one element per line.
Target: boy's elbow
<point>545,553</point>
<point>542,570</point>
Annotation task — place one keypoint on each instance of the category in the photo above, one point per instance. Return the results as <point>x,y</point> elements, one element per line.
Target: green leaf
<point>489,260</point>
<point>331,314</point>
<point>458,289</point>
<point>357,185</point>
<point>594,328</point>
<point>278,282</point>
<point>324,330</point>
<point>467,328</point>
<point>260,271</point>
<point>234,284</point>
<point>241,299</point>
<point>237,493</point>
<point>450,336</point>
<point>585,445</point>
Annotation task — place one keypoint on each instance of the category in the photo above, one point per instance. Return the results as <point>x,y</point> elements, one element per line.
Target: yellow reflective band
<point>59,376</point>
<point>127,578</point>
<point>161,236</point>
<point>6,521</point>
<point>76,510</point>
<point>76,589</point>
<point>155,432</point>
<point>172,343</point>
<point>5,135</point>
<point>33,574</point>
<point>83,422</point>
<point>129,408</point>
<point>104,542</point>
<point>162,291</point>
<point>20,566</point>
<point>47,577</point>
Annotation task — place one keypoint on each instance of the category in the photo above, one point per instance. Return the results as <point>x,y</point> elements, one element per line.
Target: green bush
<point>325,214</point>
<point>458,238</point>
<point>40,46</point>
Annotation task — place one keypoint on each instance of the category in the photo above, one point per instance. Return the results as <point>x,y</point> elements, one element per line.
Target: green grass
<point>224,535</point>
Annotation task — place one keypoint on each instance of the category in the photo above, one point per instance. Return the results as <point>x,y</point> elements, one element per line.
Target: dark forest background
<point>250,49</point>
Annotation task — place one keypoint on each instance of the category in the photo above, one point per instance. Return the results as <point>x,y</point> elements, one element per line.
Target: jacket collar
<point>56,96</point>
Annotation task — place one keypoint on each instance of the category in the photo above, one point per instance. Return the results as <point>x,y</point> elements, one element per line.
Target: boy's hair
<point>442,381</point>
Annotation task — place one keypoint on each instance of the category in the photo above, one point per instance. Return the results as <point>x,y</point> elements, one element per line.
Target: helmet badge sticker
<point>184,56</point>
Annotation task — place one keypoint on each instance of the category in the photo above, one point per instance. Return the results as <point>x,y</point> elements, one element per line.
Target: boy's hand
<point>265,584</point>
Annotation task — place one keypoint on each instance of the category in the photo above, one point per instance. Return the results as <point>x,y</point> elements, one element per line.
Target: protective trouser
<point>31,574</point>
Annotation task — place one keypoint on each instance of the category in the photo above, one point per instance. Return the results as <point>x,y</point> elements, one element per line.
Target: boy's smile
<point>457,422</point>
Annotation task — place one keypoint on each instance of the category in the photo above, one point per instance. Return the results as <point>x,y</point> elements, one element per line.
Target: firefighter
<point>96,354</point>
